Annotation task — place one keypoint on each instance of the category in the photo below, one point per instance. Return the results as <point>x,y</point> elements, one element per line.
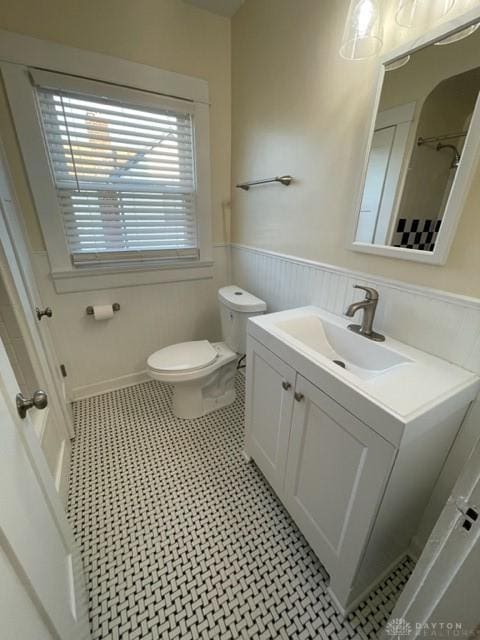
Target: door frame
<point>437,567</point>
<point>13,241</point>
<point>21,285</point>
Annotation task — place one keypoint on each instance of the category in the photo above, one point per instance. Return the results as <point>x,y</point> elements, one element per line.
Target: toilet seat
<point>202,373</point>
<point>183,357</point>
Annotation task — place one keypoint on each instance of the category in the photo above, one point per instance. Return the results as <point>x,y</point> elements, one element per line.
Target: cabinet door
<point>269,406</point>
<point>336,472</point>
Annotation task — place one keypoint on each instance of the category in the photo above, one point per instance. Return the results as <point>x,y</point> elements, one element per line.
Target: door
<point>40,582</point>
<point>386,163</point>
<point>445,584</point>
<point>337,469</point>
<point>378,162</point>
<point>269,405</point>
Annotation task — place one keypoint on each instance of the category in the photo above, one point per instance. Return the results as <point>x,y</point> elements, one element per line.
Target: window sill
<point>128,275</point>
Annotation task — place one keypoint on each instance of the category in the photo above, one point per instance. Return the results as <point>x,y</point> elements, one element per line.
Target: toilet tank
<point>236,306</point>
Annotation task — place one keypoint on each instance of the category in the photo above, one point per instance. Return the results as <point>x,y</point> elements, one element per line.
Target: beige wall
<point>167,34</point>
<point>298,108</point>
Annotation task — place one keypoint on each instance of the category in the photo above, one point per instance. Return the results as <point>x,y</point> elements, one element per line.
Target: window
<point>119,172</point>
<point>124,177</point>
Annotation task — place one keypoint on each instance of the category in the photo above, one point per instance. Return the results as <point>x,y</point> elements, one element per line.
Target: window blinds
<point>124,176</point>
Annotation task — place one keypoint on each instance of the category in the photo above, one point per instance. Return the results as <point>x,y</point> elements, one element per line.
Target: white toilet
<point>203,373</point>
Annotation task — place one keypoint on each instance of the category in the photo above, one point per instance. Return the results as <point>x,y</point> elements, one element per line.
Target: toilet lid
<point>184,356</point>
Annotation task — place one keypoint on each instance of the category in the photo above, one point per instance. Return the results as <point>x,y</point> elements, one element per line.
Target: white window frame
<point>20,53</point>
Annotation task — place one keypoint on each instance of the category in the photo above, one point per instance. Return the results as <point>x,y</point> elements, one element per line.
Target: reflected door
<point>378,164</point>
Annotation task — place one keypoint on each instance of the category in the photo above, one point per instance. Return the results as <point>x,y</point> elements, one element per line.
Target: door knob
<point>298,396</point>
<point>286,385</point>
<point>39,400</point>
<point>43,312</point>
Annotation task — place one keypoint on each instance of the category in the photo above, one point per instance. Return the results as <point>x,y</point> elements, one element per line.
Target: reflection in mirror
<point>423,118</point>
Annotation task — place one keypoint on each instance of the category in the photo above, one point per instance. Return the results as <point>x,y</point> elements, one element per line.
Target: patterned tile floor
<point>182,538</point>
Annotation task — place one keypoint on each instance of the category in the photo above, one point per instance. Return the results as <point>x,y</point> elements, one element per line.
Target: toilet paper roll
<point>102,311</point>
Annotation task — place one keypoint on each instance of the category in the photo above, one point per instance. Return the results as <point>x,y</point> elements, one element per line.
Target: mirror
<point>423,151</point>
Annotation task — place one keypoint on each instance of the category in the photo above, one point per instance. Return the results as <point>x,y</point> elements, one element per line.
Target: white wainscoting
<point>100,356</point>
<point>440,323</point>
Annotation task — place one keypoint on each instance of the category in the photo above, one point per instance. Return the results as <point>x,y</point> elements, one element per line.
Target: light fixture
<point>363,35</point>
<point>397,64</point>
<point>414,13</point>
<point>460,35</point>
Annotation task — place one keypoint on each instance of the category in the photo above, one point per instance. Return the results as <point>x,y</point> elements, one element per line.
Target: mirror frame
<point>466,170</point>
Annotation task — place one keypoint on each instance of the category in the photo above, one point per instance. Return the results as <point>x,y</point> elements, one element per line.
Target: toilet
<point>202,373</point>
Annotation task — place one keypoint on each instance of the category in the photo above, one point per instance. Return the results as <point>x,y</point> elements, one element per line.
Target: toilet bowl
<point>203,373</point>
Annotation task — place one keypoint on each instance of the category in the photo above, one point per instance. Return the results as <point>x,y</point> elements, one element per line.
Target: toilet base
<point>194,400</point>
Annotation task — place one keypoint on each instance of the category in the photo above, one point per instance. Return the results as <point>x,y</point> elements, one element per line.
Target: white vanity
<point>352,448</point>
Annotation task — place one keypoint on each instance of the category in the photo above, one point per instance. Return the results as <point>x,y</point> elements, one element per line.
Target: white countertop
<point>426,385</point>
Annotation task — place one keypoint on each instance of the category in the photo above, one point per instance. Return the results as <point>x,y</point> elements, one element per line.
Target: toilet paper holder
<point>89,309</point>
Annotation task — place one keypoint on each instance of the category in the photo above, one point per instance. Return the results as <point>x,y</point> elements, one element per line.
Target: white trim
<point>395,115</point>
<point>74,84</point>
<point>17,51</point>
<point>433,35</point>
<point>39,422</point>
<point>130,276</point>
<point>203,176</point>
<point>42,54</point>
<point>62,473</point>
<point>416,546</point>
<point>22,102</point>
<point>466,170</point>
<point>444,554</point>
<point>428,292</point>
<point>104,386</point>
<point>401,117</point>
<point>16,249</point>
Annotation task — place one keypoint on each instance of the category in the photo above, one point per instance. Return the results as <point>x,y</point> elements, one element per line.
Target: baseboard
<point>415,549</point>
<point>104,386</point>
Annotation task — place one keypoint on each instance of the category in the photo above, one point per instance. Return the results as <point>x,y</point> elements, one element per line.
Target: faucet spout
<point>369,306</point>
<point>354,307</point>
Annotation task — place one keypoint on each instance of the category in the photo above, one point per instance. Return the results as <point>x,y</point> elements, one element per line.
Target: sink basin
<point>382,383</point>
<point>355,353</point>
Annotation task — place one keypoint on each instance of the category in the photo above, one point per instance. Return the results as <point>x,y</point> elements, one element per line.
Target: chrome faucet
<point>369,306</point>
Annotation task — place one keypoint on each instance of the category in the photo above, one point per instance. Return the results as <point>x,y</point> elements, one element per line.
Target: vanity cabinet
<point>335,475</point>
<point>355,494</point>
<point>269,409</point>
<point>328,468</point>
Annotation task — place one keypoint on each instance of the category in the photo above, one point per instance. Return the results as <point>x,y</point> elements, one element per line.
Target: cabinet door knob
<point>286,385</point>
<point>298,396</point>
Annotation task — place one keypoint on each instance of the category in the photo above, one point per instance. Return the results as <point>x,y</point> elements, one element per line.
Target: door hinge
<point>63,370</point>
<point>470,513</point>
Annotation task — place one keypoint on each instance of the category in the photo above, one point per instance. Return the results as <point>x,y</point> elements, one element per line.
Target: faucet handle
<point>371,294</point>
